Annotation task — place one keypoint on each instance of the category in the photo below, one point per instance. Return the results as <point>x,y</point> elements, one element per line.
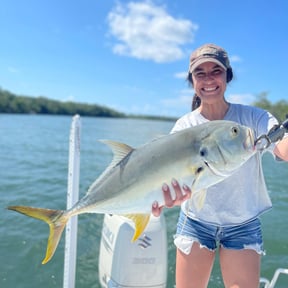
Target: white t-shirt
<point>243,195</point>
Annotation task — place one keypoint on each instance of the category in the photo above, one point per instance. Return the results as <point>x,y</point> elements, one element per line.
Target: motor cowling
<point>142,263</point>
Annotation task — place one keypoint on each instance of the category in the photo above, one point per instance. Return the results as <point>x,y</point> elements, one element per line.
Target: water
<point>33,171</point>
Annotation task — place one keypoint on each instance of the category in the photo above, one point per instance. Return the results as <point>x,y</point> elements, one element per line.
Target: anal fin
<point>140,221</point>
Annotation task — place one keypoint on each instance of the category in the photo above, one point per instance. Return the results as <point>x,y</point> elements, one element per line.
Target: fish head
<point>226,147</point>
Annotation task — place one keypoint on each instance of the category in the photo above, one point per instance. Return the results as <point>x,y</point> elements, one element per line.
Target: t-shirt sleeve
<point>179,125</point>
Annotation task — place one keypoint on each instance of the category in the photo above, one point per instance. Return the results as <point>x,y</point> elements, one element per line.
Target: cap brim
<point>204,60</point>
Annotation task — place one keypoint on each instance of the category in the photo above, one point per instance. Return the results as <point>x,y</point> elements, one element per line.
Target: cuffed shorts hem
<point>237,237</point>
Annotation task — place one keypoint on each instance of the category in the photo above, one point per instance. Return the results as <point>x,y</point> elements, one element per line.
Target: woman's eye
<point>200,75</point>
<point>216,72</point>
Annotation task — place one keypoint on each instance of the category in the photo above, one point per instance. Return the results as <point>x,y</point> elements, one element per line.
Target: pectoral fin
<point>140,221</point>
<point>200,197</point>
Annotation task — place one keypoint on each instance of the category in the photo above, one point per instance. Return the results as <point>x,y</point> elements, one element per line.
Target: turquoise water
<point>33,171</point>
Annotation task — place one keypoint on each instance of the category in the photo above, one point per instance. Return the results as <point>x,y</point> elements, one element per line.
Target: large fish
<point>198,156</point>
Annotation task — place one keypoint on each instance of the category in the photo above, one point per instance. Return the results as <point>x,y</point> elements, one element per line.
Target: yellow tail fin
<point>56,219</point>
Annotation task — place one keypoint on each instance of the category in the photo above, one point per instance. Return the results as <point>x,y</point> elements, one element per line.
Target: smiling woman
<point>232,207</point>
<point>220,69</point>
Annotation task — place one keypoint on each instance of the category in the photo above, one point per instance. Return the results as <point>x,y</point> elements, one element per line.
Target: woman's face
<point>209,82</point>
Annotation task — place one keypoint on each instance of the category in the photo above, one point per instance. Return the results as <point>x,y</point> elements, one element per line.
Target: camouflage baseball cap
<point>209,53</point>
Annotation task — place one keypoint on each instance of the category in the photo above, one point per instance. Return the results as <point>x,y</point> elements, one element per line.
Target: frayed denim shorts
<point>243,236</point>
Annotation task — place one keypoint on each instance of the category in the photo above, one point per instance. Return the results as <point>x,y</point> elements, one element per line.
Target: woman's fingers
<point>181,194</point>
<point>187,191</point>
<point>169,202</point>
<point>156,210</point>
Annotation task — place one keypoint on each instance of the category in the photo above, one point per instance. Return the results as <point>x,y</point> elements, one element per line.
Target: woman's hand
<point>181,195</point>
<point>281,149</point>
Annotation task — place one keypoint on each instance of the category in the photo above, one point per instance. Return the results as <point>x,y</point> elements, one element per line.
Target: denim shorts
<point>238,237</point>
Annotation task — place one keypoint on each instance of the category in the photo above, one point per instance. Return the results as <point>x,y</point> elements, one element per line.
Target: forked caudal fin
<point>56,220</point>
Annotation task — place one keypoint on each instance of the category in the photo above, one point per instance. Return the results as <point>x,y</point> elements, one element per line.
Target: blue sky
<point>133,55</point>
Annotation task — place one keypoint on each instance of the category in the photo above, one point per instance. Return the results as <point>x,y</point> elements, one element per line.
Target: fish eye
<point>234,131</point>
<point>203,152</point>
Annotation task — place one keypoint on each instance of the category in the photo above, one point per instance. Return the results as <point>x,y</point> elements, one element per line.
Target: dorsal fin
<point>120,151</point>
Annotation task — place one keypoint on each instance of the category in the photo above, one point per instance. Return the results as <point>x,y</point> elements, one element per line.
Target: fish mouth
<point>249,143</point>
<point>215,171</point>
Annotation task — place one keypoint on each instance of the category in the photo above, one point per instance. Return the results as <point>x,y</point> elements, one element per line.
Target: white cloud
<point>146,31</point>
<point>69,98</point>
<point>183,99</point>
<point>13,70</point>
<point>181,75</point>
<point>241,98</point>
<point>235,58</point>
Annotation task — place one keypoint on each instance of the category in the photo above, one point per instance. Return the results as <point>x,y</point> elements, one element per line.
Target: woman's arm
<point>181,195</point>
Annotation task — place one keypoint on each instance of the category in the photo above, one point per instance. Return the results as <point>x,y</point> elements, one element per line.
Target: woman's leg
<point>240,268</point>
<point>193,270</point>
<point>240,255</point>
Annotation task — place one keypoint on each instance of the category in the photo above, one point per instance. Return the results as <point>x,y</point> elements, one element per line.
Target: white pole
<point>72,198</point>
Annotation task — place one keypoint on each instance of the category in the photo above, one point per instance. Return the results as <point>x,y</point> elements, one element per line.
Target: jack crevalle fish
<point>199,156</point>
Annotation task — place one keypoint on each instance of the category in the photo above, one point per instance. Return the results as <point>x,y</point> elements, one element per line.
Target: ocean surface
<point>33,171</point>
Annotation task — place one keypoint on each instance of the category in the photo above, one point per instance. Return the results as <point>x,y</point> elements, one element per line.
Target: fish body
<point>199,156</point>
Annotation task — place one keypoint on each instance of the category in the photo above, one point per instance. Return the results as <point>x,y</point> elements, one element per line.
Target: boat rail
<point>272,283</point>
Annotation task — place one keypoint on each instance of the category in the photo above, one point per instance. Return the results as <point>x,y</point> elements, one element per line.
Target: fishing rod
<point>275,134</point>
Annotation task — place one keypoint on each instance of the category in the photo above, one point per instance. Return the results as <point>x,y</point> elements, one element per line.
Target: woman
<point>229,217</point>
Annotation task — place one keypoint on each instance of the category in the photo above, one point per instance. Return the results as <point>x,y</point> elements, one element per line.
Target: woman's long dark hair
<point>196,101</point>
